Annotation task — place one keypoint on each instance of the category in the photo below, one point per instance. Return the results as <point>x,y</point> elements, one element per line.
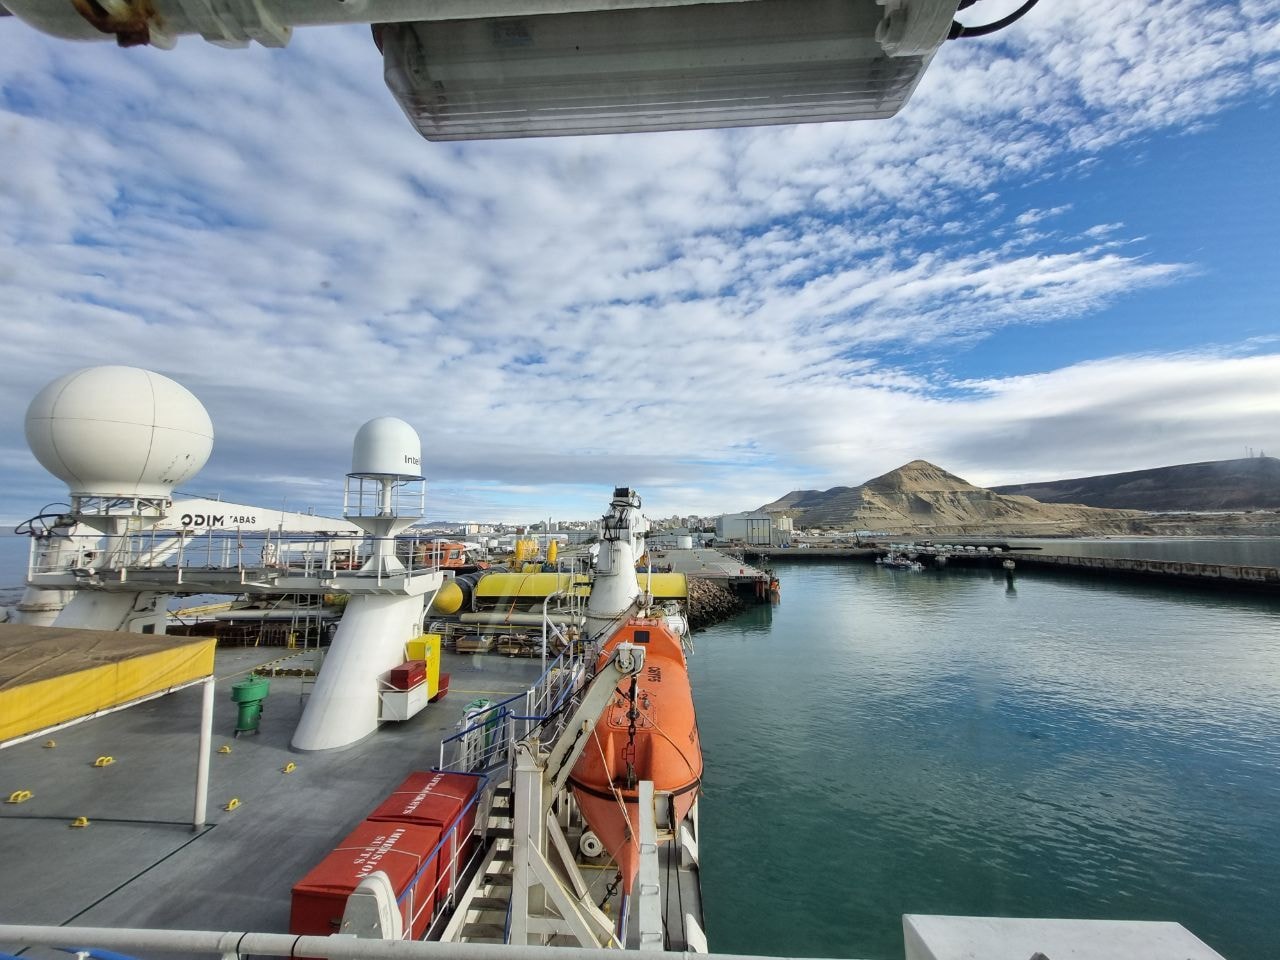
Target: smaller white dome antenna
<point>121,438</point>
<point>387,447</point>
<point>385,490</point>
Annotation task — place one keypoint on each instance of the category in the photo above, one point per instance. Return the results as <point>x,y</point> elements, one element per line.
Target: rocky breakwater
<point>710,603</point>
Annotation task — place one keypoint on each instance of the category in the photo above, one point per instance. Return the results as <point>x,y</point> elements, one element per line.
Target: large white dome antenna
<point>121,438</point>
<point>385,491</point>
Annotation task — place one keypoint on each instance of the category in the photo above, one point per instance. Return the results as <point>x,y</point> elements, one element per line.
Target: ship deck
<point>140,863</point>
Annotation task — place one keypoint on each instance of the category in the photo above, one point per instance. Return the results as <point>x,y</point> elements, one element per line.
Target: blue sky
<point>1061,258</point>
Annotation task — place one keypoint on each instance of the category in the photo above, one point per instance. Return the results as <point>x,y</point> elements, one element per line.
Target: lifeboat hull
<point>662,746</point>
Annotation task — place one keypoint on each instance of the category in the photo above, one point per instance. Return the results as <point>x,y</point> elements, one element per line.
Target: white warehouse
<point>757,529</point>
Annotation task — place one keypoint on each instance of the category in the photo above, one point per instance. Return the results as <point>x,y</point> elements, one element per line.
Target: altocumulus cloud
<point>714,317</point>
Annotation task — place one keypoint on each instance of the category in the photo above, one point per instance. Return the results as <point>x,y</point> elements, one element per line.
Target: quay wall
<point>813,553</point>
<point>1226,575</point>
<point>1222,576</point>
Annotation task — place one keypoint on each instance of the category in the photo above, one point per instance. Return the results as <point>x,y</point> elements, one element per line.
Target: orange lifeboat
<point>648,732</point>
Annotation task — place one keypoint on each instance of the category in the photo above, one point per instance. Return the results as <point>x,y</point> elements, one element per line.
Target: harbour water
<point>13,567</point>
<point>887,742</point>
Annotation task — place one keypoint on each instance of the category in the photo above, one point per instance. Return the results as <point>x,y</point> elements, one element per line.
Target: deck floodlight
<point>667,66</point>
<point>480,69</point>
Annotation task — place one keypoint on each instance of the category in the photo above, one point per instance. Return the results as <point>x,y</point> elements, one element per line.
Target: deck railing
<point>254,553</point>
<point>488,737</point>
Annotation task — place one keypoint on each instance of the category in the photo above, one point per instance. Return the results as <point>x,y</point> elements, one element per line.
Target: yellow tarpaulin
<point>49,675</point>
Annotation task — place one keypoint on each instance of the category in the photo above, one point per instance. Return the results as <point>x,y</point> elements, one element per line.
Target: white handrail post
<point>202,758</point>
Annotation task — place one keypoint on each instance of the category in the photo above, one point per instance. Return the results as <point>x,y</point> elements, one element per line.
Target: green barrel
<point>249,694</point>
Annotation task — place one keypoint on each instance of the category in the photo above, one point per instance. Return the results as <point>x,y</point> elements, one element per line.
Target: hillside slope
<point>920,497</point>
<point>1245,484</point>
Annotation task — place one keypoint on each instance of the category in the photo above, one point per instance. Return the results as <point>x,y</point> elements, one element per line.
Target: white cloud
<point>719,315</point>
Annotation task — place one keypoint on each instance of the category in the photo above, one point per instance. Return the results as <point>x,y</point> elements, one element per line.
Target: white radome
<point>119,432</point>
<point>387,447</point>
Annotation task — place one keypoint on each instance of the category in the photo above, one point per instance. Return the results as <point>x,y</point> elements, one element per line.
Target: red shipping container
<point>398,849</point>
<point>440,800</point>
<point>408,675</point>
<point>444,688</point>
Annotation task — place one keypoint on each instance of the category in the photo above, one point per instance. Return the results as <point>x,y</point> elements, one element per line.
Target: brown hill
<point>1250,483</point>
<point>920,497</point>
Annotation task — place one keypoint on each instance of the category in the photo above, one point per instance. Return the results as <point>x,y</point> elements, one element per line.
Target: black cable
<point>112,892</point>
<point>39,525</point>
<point>959,30</point>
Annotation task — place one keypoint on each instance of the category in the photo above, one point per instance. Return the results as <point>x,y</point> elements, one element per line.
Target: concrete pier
<point>1213,575</point>
<point>1221,576</point>
<point>733,573</point>
<point>822,554</point>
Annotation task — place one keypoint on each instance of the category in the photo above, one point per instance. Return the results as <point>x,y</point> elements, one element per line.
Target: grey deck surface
<point>140,863</point>
<point>703,562</point>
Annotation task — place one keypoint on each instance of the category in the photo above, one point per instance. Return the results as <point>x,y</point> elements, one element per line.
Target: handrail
<point>450,834</point>
<point>177,551</point>
<point>547,694</point>
<point>239,943</point>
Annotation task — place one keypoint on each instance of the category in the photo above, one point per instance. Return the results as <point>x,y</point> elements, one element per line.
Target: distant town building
<point>755,529</point>
<point>676,538</point>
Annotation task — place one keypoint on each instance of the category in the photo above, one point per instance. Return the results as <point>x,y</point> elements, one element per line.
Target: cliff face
<point>1246,484</point>
<point>922,498</point>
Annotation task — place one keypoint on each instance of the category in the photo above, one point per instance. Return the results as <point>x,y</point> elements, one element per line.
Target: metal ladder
<point>481,915</point>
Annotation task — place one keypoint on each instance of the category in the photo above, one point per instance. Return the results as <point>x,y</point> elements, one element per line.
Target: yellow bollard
<point>20,796</point>
<point>231,804</point>
<point>289,767</point>
<point>224,749</point>
<point>104,761</point>
<point>79,822</point>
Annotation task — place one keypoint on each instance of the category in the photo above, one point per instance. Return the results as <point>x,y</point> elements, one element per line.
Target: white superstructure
<point>121,438</point>
<point>384,496</point>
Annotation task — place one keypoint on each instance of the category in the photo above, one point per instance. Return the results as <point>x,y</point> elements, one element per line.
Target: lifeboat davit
<point>662,746</point>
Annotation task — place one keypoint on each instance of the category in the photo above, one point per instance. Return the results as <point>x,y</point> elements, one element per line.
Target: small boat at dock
<point>899,561</point>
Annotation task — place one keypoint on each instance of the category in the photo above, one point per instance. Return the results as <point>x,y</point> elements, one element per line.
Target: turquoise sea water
<point>886,742</point>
